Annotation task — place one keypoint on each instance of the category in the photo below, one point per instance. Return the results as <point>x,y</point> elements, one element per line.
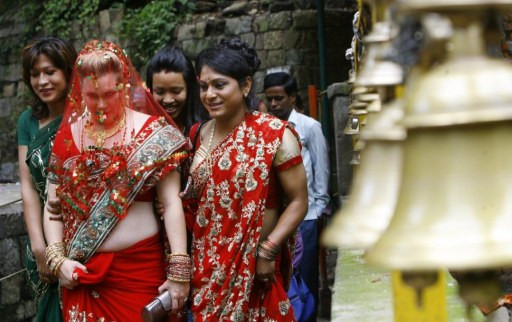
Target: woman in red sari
<point>114,151</point>
<point>245,165</point>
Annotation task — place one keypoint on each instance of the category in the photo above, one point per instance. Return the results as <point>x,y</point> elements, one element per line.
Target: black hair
<point>60,52</point>
<point>172,59</point>
<point>281,79</point>
<point>234,58</point>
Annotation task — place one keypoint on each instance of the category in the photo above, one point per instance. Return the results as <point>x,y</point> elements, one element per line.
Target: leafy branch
<point>151,27</point>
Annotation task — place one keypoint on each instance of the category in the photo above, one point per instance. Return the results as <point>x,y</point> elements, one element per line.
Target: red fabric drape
<point>226,220</point>
<point>118,284</point>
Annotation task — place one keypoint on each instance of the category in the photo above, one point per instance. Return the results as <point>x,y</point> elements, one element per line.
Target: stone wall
<point>11,89</point>
<point>285,39</point>
<point>16,297</point>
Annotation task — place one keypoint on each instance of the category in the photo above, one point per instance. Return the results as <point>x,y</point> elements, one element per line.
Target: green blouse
<point>39,142</point>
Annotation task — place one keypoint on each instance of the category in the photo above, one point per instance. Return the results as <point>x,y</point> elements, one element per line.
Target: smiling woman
<point>48,82</point>
<point>245,164</point>
<point>171,78</point>
<point>47,65</point>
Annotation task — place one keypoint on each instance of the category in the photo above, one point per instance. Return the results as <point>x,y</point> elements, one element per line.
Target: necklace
<point>208,152</point>
<point>101,135</point>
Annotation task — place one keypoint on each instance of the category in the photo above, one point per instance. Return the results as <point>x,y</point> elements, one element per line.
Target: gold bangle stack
<point>180,268</point>
<point>268,250</point>
<point>55,256</point>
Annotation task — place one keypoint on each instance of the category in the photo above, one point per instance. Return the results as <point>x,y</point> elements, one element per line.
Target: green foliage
<point>146,27</point>
<point>147,24</point>
<point>151,27</point>
<point>55,17</point>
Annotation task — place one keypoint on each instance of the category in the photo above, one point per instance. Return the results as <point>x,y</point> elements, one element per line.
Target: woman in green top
<point>47,65</point>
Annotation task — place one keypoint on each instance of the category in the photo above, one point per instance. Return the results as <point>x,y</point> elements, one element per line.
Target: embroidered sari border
<point>92,232</point>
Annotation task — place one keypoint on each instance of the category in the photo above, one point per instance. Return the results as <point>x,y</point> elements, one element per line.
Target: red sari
<point>226,218</point>
<point>96,189</point>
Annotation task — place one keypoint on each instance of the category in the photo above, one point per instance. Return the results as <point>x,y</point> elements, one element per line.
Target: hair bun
<point>247,51</point>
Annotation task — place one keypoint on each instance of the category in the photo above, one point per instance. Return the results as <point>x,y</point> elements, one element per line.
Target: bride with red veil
<point>115,151</point>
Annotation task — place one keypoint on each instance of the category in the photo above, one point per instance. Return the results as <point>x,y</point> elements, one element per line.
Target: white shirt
<point>316,161</point>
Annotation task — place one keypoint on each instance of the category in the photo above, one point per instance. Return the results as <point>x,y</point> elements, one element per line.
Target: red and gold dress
<point>96,188</point>
<point>225,213</point>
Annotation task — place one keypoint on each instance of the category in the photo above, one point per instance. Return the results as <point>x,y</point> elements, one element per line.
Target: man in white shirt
<point>281,95</point>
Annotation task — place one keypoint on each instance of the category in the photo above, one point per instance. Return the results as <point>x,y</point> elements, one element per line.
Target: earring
<point>84,108</point>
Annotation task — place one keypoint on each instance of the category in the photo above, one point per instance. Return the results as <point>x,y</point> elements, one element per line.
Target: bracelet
<point>180,268</point>
<point>55,256</point>
<point>178,255</point>
<point>268,250</point>
<point>56,264</point>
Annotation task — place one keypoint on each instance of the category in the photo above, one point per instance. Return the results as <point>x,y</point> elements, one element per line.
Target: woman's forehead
<point>208,74</point>
<point>101,81</point>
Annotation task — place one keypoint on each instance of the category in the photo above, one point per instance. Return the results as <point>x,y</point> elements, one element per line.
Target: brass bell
<point>374,107</point>
<point>368,97</point>
<point>356,158</point>
<point>357,105</point>
<point>352,126</point>
<point>453,5</point>
<point>361,115</point>
<point>376,183</point>
<point>455,203</point>
<point>356,153</point>
<point>376,70</point>
<point>372,100</point>
<point>358,90</point>
<point>351,77</point>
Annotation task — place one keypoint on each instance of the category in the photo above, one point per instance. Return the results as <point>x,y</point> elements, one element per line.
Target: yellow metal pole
<point>433,301</point>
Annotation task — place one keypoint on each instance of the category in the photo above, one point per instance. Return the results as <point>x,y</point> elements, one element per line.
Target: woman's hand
<point>265,271</point>
<point>158,207</point>
<point>67,276</point>
<point>179,293</point>
<point>53,207</point>
<point>44,272</point>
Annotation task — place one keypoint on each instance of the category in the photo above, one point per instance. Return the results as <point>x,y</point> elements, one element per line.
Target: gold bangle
<point>58,265</point>
<point>176,279</point>
<point>178,255</point>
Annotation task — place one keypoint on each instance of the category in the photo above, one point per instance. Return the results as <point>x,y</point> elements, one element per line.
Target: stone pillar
<point>338,94</point>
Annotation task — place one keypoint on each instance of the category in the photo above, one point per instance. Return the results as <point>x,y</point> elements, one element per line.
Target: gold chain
<point>101,135</point>
<point>208,152</point>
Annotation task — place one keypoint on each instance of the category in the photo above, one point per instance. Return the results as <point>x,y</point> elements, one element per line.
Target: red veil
<point>139,98</point>
<point>108,113</point>
<point>113,145</point>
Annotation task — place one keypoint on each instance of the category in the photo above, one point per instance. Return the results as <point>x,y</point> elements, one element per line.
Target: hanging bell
<point>368,97</point>
<point>376,184</point>
<point>356,158</point>
<point>352,126</point>
<point>357,90</point>
<point>374,107</point>
<point>351,77</point>
<point>420,6</point>
<point>454,208</point>
<point>376,69</point>
<point>360,113</point>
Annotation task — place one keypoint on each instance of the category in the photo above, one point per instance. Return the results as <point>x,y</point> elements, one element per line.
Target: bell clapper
<point>419,281</point>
